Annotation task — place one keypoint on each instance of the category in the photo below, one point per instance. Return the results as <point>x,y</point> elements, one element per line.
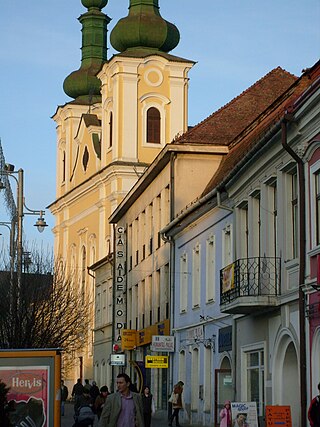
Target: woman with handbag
<point>176,400</point>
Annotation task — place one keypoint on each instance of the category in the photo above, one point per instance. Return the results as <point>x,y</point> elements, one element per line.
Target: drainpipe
<point>172,268</point>
<point>302,248</point>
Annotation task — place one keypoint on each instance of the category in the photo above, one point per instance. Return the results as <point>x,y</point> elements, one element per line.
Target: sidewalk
<point>159,419</point>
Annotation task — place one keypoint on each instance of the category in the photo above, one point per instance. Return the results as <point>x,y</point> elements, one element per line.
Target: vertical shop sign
<point>120,283</point>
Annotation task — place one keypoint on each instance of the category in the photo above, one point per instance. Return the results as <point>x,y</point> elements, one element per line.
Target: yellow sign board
<point>156,362</point>
<point>128,339</point>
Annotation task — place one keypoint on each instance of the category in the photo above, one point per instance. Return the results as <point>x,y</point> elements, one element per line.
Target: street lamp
<point>11,227</point>
<point>40,223</point>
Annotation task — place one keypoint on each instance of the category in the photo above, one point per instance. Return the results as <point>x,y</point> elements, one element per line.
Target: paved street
<point>159,420</point>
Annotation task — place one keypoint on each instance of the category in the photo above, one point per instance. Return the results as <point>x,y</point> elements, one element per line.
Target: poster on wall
<point>244,414</point>
<point>28,396</point>
<point>279,415</point>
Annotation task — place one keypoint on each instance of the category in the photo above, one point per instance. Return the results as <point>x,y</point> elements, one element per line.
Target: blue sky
<point>234,42</point>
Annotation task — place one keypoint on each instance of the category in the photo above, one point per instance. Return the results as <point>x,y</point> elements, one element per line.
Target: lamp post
<point>17,214</point>
<point>22,210</point>
<point>11,227</point>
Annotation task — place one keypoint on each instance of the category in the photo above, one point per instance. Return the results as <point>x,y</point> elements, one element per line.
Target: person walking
<point>225,415</point>
<point>64,396</point>
<point>87,385</point>
<point>94,391</point>
<point>314,410</point>
<point>123,408</point>
<point>176,400</point>
<point>101,400</point>
<point>148,405</point>
<point>77,391</point>
<point>83,412</point>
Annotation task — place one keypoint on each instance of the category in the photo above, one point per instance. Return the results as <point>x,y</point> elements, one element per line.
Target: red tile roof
<point>249,139</point>
<point>229,121</point>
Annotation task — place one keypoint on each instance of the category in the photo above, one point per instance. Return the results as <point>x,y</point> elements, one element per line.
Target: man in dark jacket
<point>64,396</point>
<point>94,391</point>
<point>314,411</point>
<point>77,391</point>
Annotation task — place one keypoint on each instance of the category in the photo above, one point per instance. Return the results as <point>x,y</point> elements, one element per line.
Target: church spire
<point>83,85</point>
<point>144,29</point>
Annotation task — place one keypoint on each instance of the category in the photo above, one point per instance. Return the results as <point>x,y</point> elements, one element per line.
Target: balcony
<point>250,285</point>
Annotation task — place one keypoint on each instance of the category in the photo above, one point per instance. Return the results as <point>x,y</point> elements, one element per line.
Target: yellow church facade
<point>124,111</point>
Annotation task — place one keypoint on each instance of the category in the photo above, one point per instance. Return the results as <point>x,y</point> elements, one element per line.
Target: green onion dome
<point>98,4</point>
<point>144,28</point>
<point>83,84</point>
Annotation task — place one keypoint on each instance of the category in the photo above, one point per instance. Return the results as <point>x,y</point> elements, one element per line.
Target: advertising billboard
<point>33,379</point>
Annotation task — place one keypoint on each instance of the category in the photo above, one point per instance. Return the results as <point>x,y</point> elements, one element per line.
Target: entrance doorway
<point>222,388</point>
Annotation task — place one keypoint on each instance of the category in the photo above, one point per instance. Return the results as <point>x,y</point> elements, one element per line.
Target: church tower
<point>124,111</point>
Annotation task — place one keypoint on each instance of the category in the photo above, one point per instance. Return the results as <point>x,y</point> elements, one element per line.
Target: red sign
<point>28,394</point>
<point>278,416</point>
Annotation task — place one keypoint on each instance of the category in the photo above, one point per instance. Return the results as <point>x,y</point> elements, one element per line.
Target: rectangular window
<point>243,231</point>
<point>271,213</point>
<point>317,204</point>
<point>227,245</point>
<point>294,213</point>
<point>196,276</point>
<point>158,220</point>
<point>210,269</point>
<point>255,379</point>
<point>157,294</point>
<point>275,219</point>
<point>183,283</point>
<point>98,307</point>
<point>141,301</point>
<point>151,227</point>
<point>142,234</point>
<point>256,223</point>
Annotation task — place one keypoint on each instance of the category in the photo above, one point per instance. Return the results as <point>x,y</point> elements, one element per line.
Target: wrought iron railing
<point>258,276</point>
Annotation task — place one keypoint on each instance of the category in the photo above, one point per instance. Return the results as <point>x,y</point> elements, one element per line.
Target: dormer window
<point>153,125</point>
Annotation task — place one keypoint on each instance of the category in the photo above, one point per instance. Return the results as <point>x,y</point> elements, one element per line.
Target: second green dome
<point>144,28</point>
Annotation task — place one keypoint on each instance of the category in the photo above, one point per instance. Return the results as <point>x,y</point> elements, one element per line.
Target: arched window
<point>153,126</point>
<point>110,129</point>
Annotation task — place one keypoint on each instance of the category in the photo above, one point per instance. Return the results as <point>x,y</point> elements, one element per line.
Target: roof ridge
<point>233,100</point>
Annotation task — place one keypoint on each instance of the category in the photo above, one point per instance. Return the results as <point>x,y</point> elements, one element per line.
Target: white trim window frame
<point>183,283</point>
<point>210,269</point>
<point>315,204</point>
<point>196,275</point>
<point>253,364</point>
<point>227,245</point>
<point>159,102</point>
